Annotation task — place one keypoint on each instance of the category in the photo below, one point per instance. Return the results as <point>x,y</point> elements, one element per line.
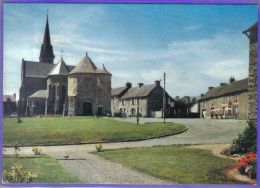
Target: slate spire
<point>46,55</point>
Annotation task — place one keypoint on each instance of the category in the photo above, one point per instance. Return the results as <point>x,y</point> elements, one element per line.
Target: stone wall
<point>223,102</point>
<point>252,82</point>
<point>89,88</point>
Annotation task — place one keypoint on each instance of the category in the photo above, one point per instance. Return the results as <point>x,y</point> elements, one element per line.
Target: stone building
<point>252,34</point>
<point>148,98</point>
<point>48,88</point>
<point>226,99</point>
<point>9,104</point>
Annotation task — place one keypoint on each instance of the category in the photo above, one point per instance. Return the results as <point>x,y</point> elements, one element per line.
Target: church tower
<point>46,55</point>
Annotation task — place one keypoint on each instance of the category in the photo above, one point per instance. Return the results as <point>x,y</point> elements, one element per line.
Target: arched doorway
<point>87,109</point>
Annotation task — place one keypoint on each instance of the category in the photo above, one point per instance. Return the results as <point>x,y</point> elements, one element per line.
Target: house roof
<point>6,97</point>
<point>103,70</point>
<point>59,69</point>
<point>39,94</point>
<point>117,91</point>
<point>240,85</point>
<point>139,92</point>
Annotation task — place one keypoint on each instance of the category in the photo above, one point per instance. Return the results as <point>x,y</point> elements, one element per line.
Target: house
<point>148,99</point>
<point>49,88</point>
<point>226,99</point>
<point>9,104</point>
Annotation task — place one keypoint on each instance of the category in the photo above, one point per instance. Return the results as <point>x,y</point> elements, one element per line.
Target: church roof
<point>236,86</point>
<point>39,94</point>
<point>41,70</point>
<point>85,66</point>
<point>139,91</point>
<point>103,70</point>
<point>59,69</point>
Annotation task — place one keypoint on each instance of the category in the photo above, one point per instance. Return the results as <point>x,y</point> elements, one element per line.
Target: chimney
<point>209,88</point>
<point>202,95</point>
<point>140,85</point>
<point>157,82</point>
<point>177,97</point>
<point>15,95</point>
<point>222,84</point>
<point>128,85</point>
<point>231,80</point>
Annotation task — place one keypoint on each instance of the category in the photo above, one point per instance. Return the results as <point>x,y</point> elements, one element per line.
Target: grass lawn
<point>75,130</point>
<point>175,163</point>
<point>48,169</point>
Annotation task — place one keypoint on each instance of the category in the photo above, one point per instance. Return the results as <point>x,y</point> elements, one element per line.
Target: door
<point>87,109</point>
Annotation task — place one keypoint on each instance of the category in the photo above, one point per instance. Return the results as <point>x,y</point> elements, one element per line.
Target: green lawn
<point>48,169</point>
<point>75,130</point>
<point>175,163</point>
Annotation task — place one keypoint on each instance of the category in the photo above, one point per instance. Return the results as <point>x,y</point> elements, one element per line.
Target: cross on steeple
<point>47,11</point>
<point>61,51</point>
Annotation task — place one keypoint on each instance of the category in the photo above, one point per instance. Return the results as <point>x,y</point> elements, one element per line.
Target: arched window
<point>63,94</point>
<point>53,94</point>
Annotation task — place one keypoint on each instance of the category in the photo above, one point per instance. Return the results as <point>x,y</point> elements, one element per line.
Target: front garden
<point>76,130</point>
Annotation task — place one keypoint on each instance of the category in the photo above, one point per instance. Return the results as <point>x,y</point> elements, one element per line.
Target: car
<point>14,114</point>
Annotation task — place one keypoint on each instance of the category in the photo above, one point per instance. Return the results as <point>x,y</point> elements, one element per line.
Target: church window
<point>53,93</point>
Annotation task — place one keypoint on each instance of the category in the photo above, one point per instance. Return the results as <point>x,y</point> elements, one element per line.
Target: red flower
<point>234,166</point>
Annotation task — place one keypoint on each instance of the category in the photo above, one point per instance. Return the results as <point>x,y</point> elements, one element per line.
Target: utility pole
<point>164,101</point>
<point>137,117</point>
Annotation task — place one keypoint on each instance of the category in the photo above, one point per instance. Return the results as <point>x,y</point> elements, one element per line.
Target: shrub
<point>99,147</point>
<point>19,176</point>
<point>246,142</point>
<point>247,165</point>
<point>37,150</point>
<point>228,150</point>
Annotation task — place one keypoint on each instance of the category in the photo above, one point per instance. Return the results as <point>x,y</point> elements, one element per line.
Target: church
<point>48,88</point>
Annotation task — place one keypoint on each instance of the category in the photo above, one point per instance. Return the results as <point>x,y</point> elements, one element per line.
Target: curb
<point>101,142</point>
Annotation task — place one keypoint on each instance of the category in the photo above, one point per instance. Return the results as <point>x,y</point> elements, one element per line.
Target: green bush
<point>246,142</point>
<point>37,150</point>
<point>18,176</point>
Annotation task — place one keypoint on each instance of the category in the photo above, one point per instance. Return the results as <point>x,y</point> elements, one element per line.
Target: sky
<point>197,46</point>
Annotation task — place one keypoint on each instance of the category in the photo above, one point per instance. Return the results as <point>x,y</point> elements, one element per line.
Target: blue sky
<point>196,45</point>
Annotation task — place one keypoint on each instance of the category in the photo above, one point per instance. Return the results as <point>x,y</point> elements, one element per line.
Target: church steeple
<point>46,55</point>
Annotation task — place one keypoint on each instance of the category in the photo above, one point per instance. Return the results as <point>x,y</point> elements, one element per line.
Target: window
<point>123,102</point>
<point>224,100</point>
<point>236,96</point>
<point>133,101</point>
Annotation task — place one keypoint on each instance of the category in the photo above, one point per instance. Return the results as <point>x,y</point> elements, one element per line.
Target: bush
<point>18,176</point>
<point>37,150</point>
<point>246,142</point>
<point>99,147</point>
<point>228,150</point>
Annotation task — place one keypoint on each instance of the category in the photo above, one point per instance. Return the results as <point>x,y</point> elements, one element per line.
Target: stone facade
<point>252,34</point>
<point>48,88</point>
<point>9,104</point>
<point>148,98</point>
<point>226,99</point>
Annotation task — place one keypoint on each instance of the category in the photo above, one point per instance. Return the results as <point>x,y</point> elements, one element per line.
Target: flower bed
<point>247,165</point>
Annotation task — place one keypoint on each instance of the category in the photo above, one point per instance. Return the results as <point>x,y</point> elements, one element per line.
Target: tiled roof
<point>40,70</point>
<point>36,69</point>
<point>139,92</point>
<point>59,69</point>
<point>117,91</point>
<point>6,97</point>
<point>39,94</point>
<point>85,66</point>
<point>240,85</point>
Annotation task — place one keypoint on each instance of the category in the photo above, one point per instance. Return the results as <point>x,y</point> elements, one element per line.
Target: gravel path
<point>93,169</point>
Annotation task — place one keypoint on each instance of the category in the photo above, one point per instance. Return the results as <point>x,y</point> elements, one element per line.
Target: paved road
<point>93,169</point>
